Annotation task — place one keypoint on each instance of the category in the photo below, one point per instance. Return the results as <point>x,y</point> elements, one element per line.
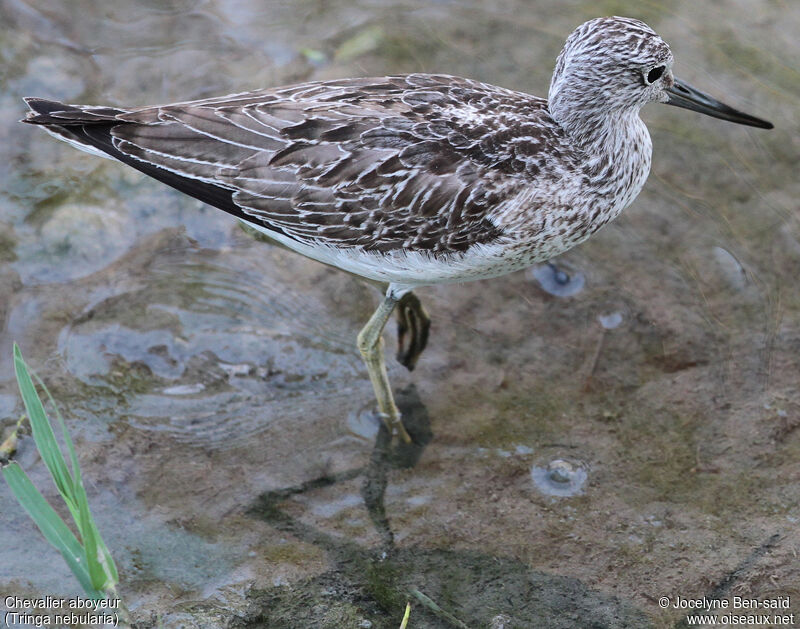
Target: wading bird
<point>416,179</point>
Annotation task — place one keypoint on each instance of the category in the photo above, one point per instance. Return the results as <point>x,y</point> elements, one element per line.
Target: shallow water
<point>223,416</point>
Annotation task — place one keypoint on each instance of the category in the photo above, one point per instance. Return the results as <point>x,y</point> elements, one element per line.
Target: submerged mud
<point>223,417</point>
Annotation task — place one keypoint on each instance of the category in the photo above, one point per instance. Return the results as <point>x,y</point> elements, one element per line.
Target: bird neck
<point>616,146</point>
<point>592,127</point>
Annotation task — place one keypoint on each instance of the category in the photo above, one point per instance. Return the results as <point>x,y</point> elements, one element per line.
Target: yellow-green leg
<point>370,344</point>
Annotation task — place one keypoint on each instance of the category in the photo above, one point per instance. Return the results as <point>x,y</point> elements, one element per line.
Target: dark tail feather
<point>52,112</point>
<point>90,127</point>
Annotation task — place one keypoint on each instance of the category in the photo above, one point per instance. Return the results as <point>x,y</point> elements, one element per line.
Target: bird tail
<point>53,112</point>
<point>90,128</point>
<point>72,124</point>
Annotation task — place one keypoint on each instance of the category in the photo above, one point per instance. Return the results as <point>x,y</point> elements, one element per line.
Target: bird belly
<point>416,268</point>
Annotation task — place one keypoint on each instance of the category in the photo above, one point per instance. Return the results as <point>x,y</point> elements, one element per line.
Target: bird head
<point>613,65</point>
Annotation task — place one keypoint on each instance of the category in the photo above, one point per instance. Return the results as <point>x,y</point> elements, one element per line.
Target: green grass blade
<point>97,562</point>
<point>51,525</point>
<point>104,558</point>
<point>96,572</point>
<point>67,439</point>
<point>43,433</point>
<point>101,564</point>
<point>404,622</point>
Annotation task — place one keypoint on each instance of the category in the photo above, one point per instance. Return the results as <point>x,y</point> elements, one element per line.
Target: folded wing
<point>379,164</point>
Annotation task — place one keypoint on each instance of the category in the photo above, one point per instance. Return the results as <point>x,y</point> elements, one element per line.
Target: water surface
<point>221,410</point>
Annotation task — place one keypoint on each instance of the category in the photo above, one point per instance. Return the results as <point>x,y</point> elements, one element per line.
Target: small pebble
<point>556,281</point>
<point>559,478</point>
<point>610,320</point>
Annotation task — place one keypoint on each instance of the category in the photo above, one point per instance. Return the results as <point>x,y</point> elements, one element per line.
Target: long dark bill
<point>684,95</point>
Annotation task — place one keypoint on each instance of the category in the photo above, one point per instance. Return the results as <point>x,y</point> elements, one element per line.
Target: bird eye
<point>655,74</point>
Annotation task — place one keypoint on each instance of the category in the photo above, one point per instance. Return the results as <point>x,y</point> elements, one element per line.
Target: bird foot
<point>395,426</point>
<point>413,326</point>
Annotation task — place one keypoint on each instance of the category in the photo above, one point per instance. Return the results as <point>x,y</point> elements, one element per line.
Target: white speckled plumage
<point>417,179</point>
<point>414,179</point>
<point>532,186</point>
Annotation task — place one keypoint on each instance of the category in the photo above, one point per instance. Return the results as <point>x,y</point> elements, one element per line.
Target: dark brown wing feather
<point>381,164</point>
